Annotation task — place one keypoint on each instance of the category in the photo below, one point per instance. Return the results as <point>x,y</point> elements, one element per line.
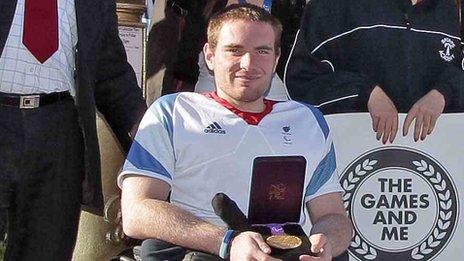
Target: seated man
<point>191,146</point>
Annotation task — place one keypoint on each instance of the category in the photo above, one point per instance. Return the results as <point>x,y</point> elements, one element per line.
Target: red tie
<point>40,34</point>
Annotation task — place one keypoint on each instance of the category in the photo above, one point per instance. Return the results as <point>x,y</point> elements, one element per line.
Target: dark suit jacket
<point>104,81</point>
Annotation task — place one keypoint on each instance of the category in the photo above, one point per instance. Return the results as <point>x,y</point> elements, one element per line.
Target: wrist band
<point>225,244</point>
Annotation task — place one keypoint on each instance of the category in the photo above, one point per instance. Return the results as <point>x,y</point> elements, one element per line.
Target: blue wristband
<point>225,244</point>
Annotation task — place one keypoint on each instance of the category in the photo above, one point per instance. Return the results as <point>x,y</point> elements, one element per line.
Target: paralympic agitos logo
<point>403,204</point>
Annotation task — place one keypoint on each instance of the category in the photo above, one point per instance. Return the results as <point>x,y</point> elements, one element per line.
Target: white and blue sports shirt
<point>201,148</point>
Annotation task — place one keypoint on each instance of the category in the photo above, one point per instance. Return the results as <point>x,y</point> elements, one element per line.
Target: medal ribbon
<point>276,229</point>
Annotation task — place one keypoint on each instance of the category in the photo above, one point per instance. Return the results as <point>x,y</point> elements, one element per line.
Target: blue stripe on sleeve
<point>163,109</point>
<point>142,159</point>
<point>323,173</point>
<point>320,119</point>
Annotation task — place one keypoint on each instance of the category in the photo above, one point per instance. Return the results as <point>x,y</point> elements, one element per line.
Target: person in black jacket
<point>386,56</point>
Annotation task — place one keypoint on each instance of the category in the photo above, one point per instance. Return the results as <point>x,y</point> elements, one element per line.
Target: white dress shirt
<point>22,73</point>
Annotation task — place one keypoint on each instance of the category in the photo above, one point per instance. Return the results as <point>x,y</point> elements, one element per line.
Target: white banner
<point>403,198</point>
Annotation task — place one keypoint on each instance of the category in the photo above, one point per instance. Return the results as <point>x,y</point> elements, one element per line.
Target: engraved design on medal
<point>283,241</point>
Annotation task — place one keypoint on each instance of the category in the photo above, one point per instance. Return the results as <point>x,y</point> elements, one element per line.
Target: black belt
<point>31,101</point>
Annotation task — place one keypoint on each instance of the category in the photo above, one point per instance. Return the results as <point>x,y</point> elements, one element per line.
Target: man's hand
<point>426,112</point>
<point>384,115</point>
<point>319,246</point>
<point>250,246</point>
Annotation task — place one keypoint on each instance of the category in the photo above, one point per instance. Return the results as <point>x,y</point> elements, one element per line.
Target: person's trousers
<point>41,170</point>
<point>158,250</point>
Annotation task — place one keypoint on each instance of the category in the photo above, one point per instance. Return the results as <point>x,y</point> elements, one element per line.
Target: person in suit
<point>50,90</point>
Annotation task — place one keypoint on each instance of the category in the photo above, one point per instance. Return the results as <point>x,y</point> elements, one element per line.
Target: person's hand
<point>319,246</point>
<point>250,246</point>
<point>425,112</point>
<point>384,115</point>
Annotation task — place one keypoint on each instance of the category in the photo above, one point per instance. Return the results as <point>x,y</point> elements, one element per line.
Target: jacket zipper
<point>407,21</point>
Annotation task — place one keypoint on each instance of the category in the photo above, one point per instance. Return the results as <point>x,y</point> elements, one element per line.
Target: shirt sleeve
<point>324,179</point>
<point>152,152</point>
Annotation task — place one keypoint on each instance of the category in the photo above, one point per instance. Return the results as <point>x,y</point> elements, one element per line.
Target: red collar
<point>252,118</point>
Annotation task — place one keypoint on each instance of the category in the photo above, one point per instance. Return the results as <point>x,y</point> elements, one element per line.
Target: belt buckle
<point>29,101</point>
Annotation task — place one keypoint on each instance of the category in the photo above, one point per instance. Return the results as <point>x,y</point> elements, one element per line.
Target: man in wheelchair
<point>191,146</point>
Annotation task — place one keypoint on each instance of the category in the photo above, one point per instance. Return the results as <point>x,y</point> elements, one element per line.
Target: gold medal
<point>284,241</point>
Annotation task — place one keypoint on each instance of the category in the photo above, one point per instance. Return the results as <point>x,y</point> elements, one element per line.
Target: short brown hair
<point>242,12</point>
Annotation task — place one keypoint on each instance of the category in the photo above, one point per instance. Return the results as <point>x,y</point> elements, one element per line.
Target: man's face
<point>243,61</point>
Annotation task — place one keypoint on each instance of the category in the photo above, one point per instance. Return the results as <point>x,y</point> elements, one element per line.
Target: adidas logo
<point>214,128</point>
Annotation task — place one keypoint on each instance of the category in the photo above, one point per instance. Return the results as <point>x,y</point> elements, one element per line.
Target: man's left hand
<point>319,246</point>
<point>425,112</point>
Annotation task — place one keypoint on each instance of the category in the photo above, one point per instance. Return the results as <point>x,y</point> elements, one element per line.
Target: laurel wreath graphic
<point>444,217</point>
<point>353,178</point>
<point>445,220</point>
<point>363,248</point>
<point>361,169</point>
<point>445,211</point>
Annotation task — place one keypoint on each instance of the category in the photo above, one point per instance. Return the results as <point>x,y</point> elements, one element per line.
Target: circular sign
<point>402,202</point>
